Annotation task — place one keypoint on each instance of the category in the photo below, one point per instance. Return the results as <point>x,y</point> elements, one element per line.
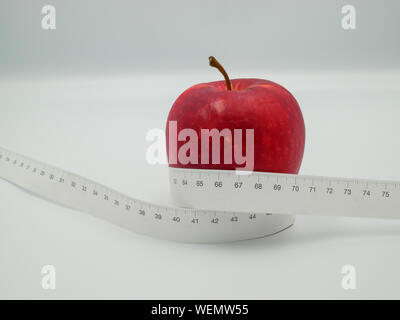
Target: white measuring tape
<point>213,205</point>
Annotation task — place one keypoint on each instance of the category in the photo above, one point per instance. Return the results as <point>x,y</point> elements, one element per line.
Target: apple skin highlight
<point>262,105</point>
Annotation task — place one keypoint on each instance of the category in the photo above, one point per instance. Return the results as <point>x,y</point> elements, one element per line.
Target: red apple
<point>262,105</point>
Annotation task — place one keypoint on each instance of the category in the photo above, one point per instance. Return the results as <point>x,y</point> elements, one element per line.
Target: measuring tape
<point>212,205</point>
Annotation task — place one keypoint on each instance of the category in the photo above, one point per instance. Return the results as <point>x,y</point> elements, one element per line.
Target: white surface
<point>73,123</point>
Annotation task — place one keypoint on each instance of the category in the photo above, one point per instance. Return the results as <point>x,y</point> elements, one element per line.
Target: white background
<point>66,101</point>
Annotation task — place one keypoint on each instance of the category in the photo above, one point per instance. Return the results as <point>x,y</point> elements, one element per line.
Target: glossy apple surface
<point>262,105</point>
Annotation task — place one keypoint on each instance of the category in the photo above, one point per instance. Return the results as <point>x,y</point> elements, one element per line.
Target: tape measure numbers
<point>212,205</point>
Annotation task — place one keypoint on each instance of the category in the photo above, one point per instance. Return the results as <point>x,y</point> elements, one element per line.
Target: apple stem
<point>214,63</point>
